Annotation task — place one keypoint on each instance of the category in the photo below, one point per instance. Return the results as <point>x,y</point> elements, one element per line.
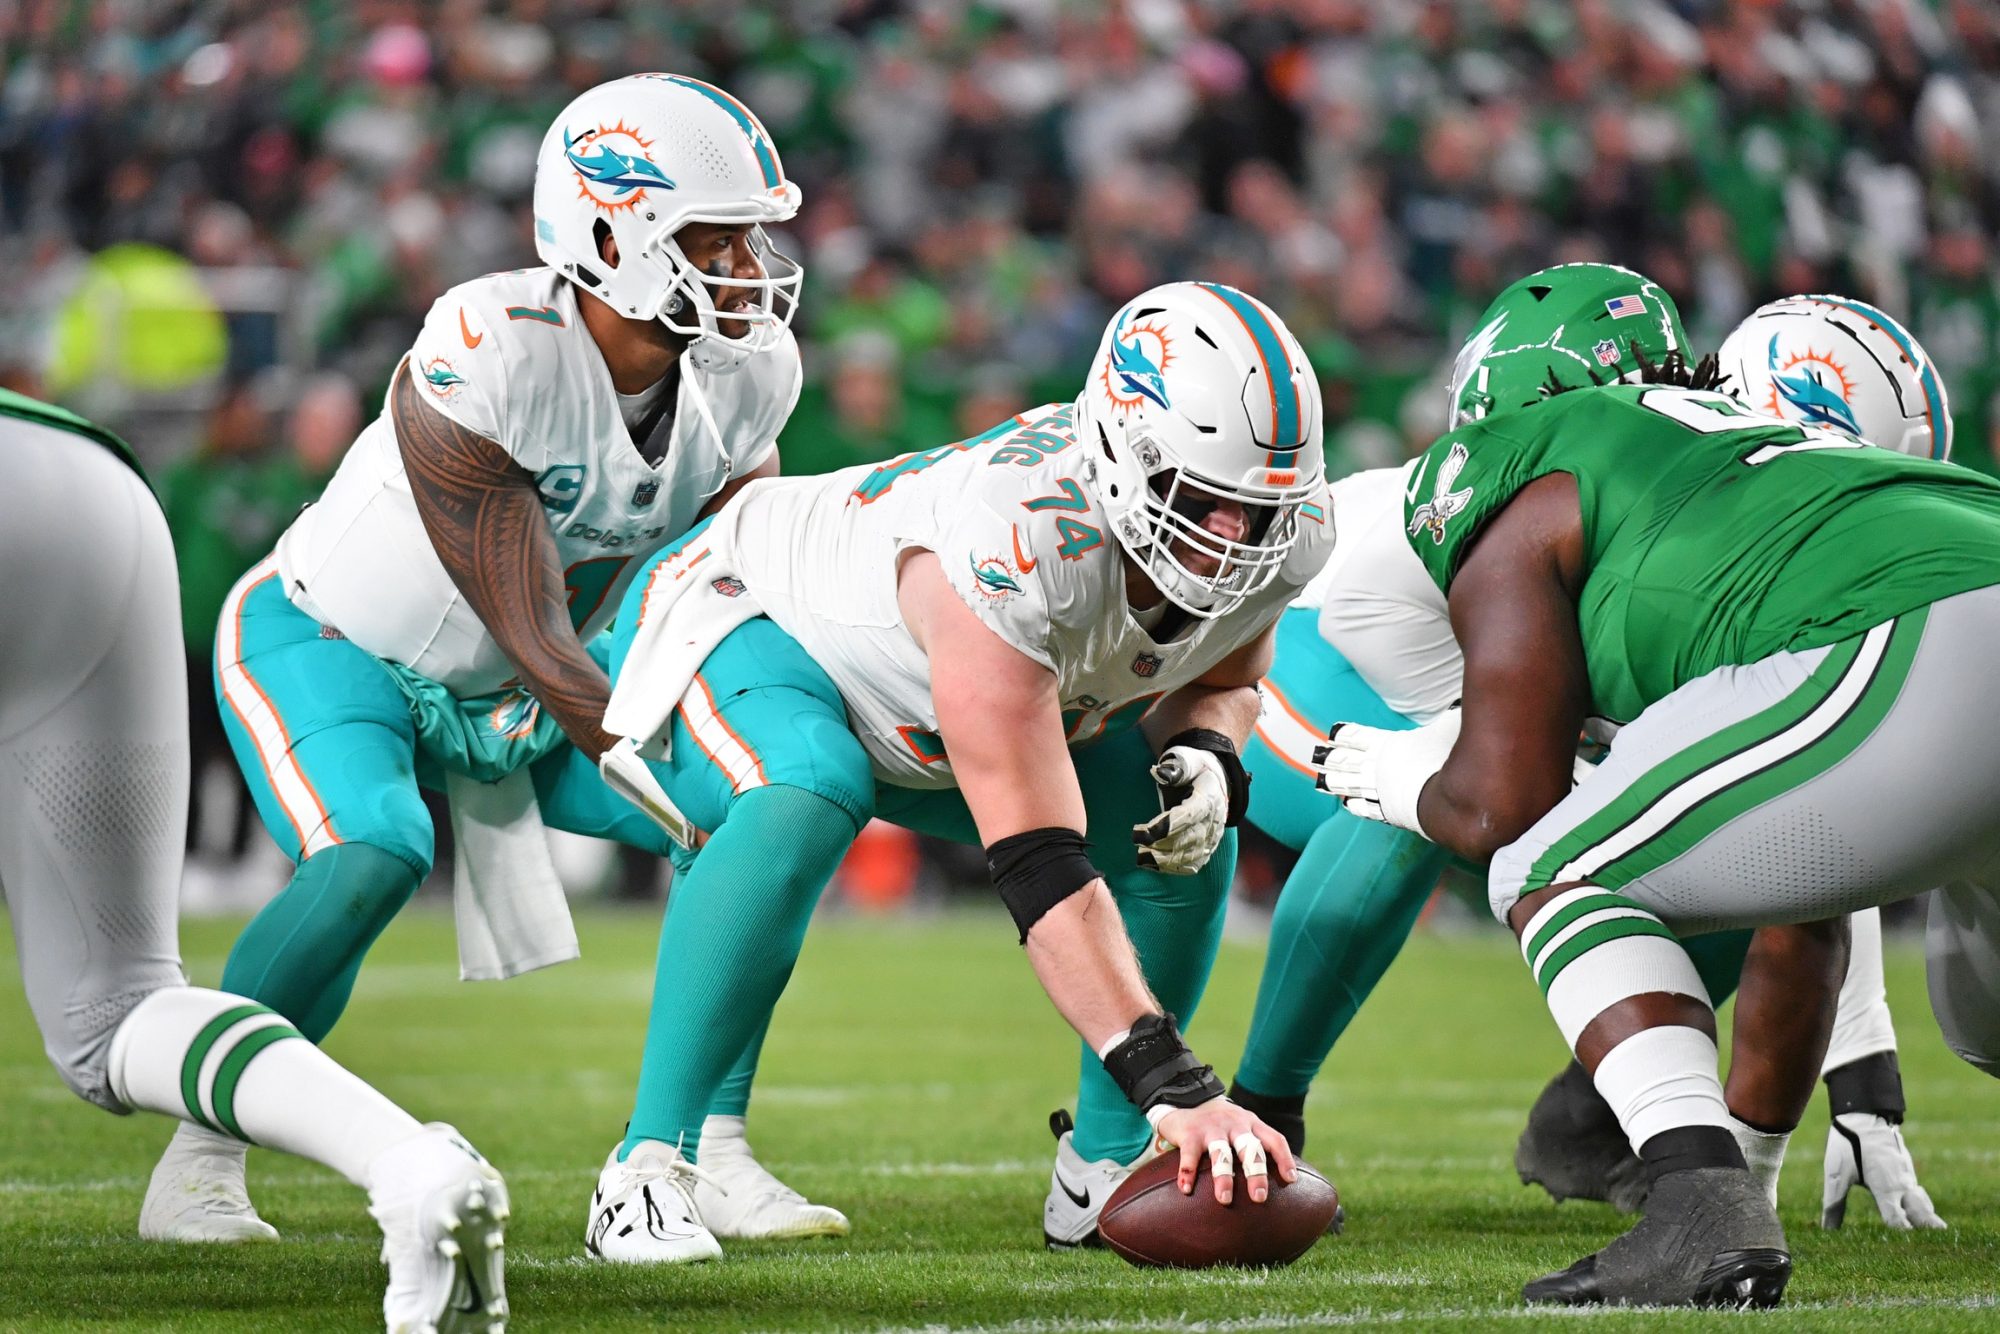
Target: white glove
<point>1181,839</point>
<point>627,774</point>
<point>1379,774</point>
<point>1867,1150</point>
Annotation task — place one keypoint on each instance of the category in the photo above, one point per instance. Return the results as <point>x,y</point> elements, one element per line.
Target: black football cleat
<point>1709,1237</point>
<point>1574,1148</point>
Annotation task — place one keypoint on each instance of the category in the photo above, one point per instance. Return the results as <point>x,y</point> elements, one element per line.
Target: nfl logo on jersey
<point>729,586</point>
<point>1145,664</point>
<point>643,493</point>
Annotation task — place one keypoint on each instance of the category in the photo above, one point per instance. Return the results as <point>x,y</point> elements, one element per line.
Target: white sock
<point>1764,1153</point>
<point>233,1065</point>
<point>1861,1024</point>
<point>723,1135</point>
<point>1662,1079</point>
<point>1591,949</point>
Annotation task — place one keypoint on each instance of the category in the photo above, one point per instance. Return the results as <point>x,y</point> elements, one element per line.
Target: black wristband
<point>1220,746</point>
<point>1036,870</point>
<point>1871,1084</point>
<point>1154,1067</point>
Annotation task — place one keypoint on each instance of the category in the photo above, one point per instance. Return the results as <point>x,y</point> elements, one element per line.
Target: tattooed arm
<point>485,519</point>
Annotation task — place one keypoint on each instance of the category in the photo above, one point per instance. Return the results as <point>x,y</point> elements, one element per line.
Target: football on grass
<point>1149,1222</point>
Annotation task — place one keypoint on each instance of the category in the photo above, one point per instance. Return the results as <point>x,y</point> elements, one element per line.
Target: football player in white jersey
<point>430,618</point>
<point>1370,642</point>
<point>992,641</point>
<point>94,762</point>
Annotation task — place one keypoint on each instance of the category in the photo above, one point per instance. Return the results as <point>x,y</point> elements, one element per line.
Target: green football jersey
<point>1713,536</point>
<point>48,414</point>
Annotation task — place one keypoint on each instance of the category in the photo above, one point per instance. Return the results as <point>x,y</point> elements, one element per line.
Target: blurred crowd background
<point>223,221</point>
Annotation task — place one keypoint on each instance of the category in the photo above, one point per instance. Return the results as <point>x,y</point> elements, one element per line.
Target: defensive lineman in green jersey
<point>1789,626</point>
<point>1700,553</point>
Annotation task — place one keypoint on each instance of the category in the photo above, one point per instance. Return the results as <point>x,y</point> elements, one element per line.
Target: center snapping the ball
<point>1149,1222</point>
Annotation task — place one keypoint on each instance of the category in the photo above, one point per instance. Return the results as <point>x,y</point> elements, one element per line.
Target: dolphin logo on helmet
<point>1797,382</point>
<point>1834,362</point>
<point>620,173</point>
<point>1224,416</point>
<point>640,158</point>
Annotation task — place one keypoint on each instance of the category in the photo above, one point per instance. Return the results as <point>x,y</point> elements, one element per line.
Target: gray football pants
<point>1805,786</point>
<point>93,742</point>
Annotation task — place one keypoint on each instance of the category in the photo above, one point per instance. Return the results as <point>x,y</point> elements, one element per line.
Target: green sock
<point>1175,922</point>
<point>301,954</point>
<point>733,928</point>
<point>733,1098</point>
<point>1340,921</point>
<point>1718,957</point>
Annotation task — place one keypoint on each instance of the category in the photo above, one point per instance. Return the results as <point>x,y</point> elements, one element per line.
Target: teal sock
<point>1718,957</point>
<point>1175,922</point>
<point>733,1098</point>
<point>733,928</point>
<point>301,954</point>
<point>1341,919</point>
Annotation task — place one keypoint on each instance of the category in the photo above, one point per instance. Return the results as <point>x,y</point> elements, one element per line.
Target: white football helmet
<point>1839,363</point>
<point>1199,392</point>
<point>641,157</point>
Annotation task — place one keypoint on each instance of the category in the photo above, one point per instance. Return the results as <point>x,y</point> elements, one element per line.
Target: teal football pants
<point>325,740</point>
<point>761,755</point>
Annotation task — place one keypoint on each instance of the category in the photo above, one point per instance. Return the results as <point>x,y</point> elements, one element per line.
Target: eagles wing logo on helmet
<point>1138,375</point>
<point>613,168</point>
<point>1445,503</point>
<point>1802,384</point>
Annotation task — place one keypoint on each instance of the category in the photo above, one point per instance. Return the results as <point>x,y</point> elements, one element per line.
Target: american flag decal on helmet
<point>1622,306</point>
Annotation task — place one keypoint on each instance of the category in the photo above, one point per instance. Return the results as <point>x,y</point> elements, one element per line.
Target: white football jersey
<point>507,356</point>
<point>1380,607</point>
<point>1023,543</point>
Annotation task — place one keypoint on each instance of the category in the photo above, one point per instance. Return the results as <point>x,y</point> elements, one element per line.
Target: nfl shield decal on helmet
<point>1606,352</point>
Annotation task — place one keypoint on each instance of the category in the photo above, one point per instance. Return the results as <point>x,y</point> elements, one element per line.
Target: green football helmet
<point>1580,323</point>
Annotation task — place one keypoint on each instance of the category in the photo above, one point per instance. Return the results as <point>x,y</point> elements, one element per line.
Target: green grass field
<point>908,1079</point>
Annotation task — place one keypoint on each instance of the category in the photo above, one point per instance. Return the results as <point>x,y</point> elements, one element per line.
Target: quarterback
<point>1779,620</point>
<point>993,641</point>
<point>93,709</point>
<point>1370,642</point>
<point>429,620</point>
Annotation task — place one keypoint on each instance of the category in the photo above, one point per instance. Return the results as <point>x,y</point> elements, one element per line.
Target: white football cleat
<point>1079,1189</point>
<point>643,1211</point>
<point>443,1211</point>
<point>741,1199</point>
<point>198,1192</point>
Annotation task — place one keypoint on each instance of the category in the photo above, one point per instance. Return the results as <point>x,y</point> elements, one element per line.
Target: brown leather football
<point>1149,1222</point>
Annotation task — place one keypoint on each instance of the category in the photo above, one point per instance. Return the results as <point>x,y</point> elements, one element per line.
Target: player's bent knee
<point>80,1044</point>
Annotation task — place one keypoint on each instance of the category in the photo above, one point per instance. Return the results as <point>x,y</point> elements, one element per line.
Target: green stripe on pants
<point>1729,803</point>
<point>1705,754</point>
